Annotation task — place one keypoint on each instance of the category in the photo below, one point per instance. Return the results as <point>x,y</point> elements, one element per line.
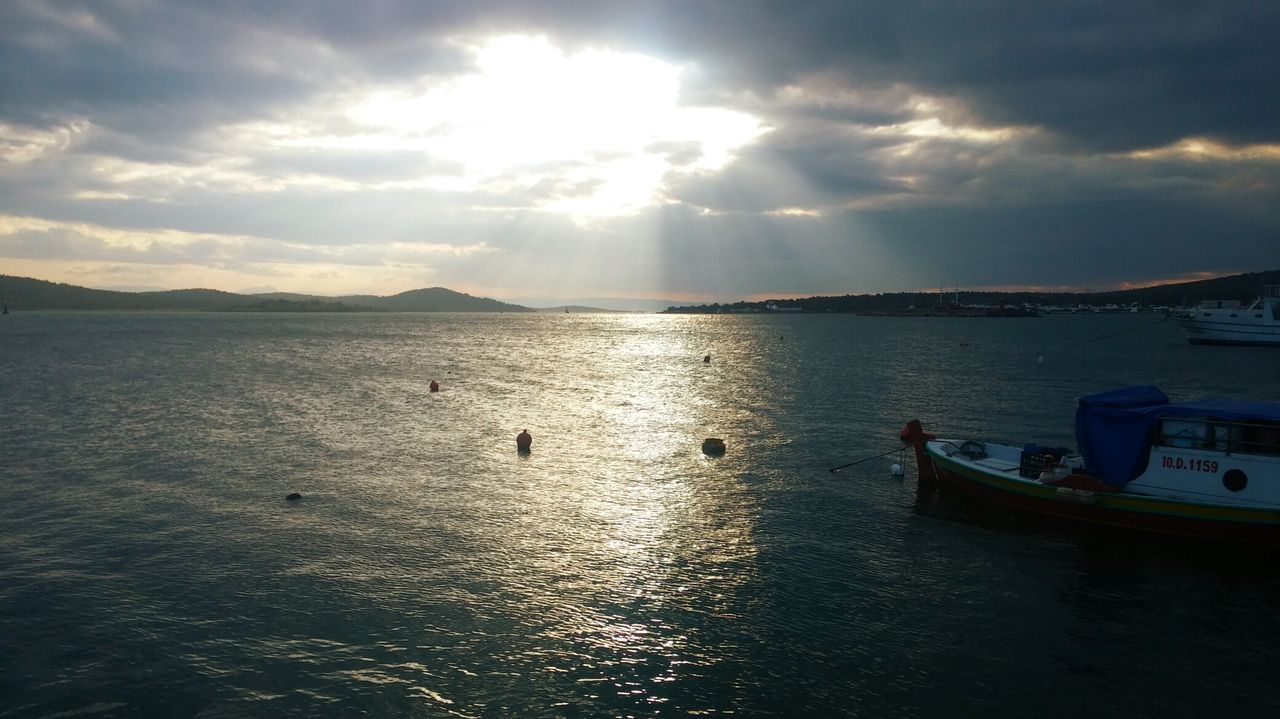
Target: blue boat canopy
<point>1115,429</point>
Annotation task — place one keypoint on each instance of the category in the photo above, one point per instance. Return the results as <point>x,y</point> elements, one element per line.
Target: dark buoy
<point>706,359</point>
<point>293,496</point>
<point>713,446</point>
<point>524,441</point>
<point>435,386</point>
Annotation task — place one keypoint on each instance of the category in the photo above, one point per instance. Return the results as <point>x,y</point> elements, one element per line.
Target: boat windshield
<point>1232,437</point>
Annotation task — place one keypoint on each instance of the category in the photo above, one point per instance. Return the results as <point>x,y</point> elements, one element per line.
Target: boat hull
<point>1117,509</point>
<point>1255,325</point>
<point>1221,333</point>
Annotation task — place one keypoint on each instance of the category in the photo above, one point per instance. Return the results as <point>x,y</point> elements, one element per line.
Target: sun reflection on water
<point>620,549</point>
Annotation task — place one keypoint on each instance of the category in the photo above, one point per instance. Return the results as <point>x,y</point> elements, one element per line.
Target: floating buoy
<point>1040,359</point>
<point>706,359</point>
<point>435,386</point>
<point>896,469</point>
<point>293,497</point>
<point>524,441</point>
<point>713,446</point>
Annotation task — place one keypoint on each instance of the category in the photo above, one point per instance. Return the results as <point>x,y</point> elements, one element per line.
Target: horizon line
<point>755,297</point>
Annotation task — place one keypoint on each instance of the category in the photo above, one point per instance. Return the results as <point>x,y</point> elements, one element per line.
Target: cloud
<point>740,146</point>
<point>30,238</point>
<point>1097,74</point>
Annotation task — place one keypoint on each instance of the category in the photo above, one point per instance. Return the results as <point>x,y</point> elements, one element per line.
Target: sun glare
<point>590,127</point>
<point>1199,148</point>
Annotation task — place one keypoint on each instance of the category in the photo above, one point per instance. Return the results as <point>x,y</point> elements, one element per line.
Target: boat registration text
<point>1191,465</point>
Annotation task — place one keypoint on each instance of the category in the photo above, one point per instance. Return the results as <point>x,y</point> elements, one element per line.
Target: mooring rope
<point>1131,329</point>
<point>833,470</point>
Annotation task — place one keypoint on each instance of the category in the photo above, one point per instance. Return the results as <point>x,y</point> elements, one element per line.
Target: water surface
<point>151,566</point>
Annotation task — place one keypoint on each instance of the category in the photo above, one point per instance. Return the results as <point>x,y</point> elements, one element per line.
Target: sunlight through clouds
<point>22,145</point>
<point>591,126</point>
<point>1199,148</point>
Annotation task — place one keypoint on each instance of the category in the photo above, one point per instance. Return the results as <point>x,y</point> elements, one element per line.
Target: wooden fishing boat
<point>1208,468</point>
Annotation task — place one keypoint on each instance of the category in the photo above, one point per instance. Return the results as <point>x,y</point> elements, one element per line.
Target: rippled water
<point>150,566</point>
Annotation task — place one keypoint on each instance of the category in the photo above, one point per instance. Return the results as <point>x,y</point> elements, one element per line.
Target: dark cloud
<point>91,91</point>
<point>1070,244</point>
<point>769,179</point>
<point>1105,74</point>
<point>166,69</point>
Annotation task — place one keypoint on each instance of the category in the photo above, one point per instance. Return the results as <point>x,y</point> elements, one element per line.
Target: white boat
<point>1207,469</point>
<point>1217,323</point>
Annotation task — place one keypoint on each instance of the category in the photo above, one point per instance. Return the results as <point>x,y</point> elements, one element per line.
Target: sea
<point>151,565</point>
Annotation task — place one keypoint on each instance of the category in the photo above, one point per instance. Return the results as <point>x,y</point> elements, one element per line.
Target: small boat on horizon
<point>1223,323</point>
<point>1208,469</point>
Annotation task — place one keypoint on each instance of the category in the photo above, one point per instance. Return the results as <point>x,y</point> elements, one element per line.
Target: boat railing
<point>1232,437</point>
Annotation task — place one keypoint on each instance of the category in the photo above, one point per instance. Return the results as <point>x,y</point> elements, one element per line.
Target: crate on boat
<point>1036,459</point>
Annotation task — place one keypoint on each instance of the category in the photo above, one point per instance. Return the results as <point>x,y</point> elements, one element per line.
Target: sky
<point>637,153</point>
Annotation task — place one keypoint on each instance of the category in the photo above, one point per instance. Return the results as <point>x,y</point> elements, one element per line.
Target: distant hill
<point>575,309</point>
<point>24,293</point>
<point>433,299</point>
<point>1243,287</point>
